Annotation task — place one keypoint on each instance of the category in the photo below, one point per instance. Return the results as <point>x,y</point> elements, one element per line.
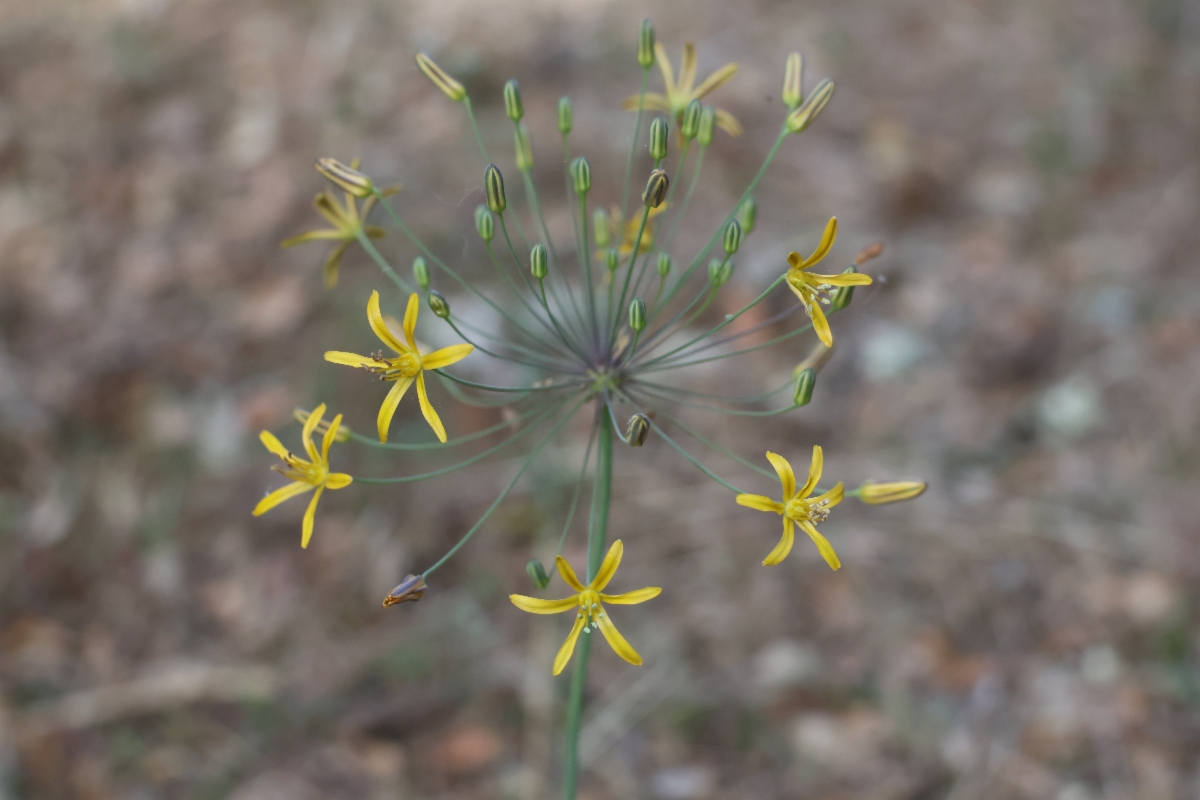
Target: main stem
<point>597,534</point>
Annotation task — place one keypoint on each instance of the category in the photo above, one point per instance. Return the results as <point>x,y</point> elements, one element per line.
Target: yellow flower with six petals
<point>305,475</point>
<point>813,289</point>
<point>798,508</point>
<point>587,602</point>
<point>407,368</point>
<point>680,93</point>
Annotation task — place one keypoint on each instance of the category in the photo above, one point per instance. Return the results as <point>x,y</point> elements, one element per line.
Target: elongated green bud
<point>637,430</point>
<point>493,186</point>
<point>421,272</point>
<point>485,223</point>
<point>719,272</point>
<point>612,259</point>
<point>803,116</point>
<point>566,116</point>
<point>646,44</point>
<point>793,80</point>
<point>747,215</point>
<point>841,297</point>
<point>438,304</point>
<point>600,224</point>
<point>450,87</point>
<point>732,239</point>
<point>708,124</point>
<point>637,314</point>
<point>537,261</point>
<point>656,189</point>
<point>537,573</point>
<point>512,101</point>
<point>691,120</point>
<point>581,175</point>
<point>658,138</point>
<point>353,181</point>
<point>664,264</point>
<point>806,381</point>
<point>523,147</point>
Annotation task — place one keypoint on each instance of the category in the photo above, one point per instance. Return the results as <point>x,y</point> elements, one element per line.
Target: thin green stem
<point>587,457</point>
<point>637,129</point>
<point>727,411</point>
<point>401,284</point>
<point>513,389</point>
<point>633,257</point>
<point>470,437</point>
<point>677,220</point>
<point>585,255</point>
<point>475,127</point>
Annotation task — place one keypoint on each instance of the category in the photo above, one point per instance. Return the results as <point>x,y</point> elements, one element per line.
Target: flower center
<point>590,609</point>
<point>297,469</point>
<point>807,510</point>
<point>405,365</point>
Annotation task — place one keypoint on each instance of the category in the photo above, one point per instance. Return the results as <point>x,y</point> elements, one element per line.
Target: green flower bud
<point>421,272</point>
<point>612,259</point>
<point>656,189</point>
<point>708,124</point>
<point>637,314</point>
<point>719,272</point>
<point>637,430</point>
<point>805,383</point>
<point>450,87</point>
<point>793,80</point>
<point>600,223</point>
<point>691,120</point>
<point>658,138</point>
<point>493,186</point>
<point>733,237</point>
<point>566,117</point>
<point>843,294</point>
<point>581,175</point>
<point>523,147</point>
<point>537,573</point>
<point>747,214</point>
<point>512,101</point>
<point>438,304</point>
<point>351,180</point>
<point>646,44</point>
<point>803,116</point>
<point>537,261</point>
<point>664,264</point>
<point>485,223</point>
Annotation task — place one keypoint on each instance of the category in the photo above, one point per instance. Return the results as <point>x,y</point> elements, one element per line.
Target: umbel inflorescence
<point>605,323</point>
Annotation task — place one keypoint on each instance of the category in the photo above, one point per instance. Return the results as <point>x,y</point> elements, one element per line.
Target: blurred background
<point>1027,629</point>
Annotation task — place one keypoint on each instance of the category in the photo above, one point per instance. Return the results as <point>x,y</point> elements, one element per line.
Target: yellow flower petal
<point>608,567</point>
<point>388,409</point>
<point>833,496</point>
<point>330,435</point>
<point>568,574</point>
<point>687,72</point>
<point>310,425</point>
<point>535,606</point>
<point>784,547</point>
<point>568,647</point>
<point>446,356</point>
<point>823,545</point>
<point>820,323</point>
<point>332,262</point>
<point>375,318</point>
<point>759,503</point>
<point>273,444</point>
<point>328,208</point>
<point>664,65</point>
<point>410,319</point>
<point>632,598</point>
<point>348,359</point>
<point>309,515</point>
<point>279,495</point>
<point>651,101</point>
<point>846,279</point>
<point>430,415</point>
<point>338,480</point>
<point>728,123</point>
<point>322,235</point>
<point>822,250</point>
<point>617,641</point>
<point>786,477</point>
<point>715,81</point>
<point>814,471</point>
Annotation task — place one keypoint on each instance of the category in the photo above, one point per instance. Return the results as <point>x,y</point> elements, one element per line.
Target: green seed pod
<point>351,180</point>
<point>732,239</point>
<point>612,259</point>
<point>637,314</point>
<point>421,272</point>
<point>656,189</point>
<point>438,304</point>
<point>793,80</point>
<point>803,116</point>
<point>450,87</point>
<point>658,138</point>
<point>747,215</point>
<point>600,224</point>
<point>646,44</point>
<point>691,120</point>
<point>523,147</point>
<point>805,383</point>
<point>719,272</point>
<point>485,223</point>
<point>512,101</point>
<point>637,430</point>
<point>708,124</point>
<point>843,294</point>
<point>566,116</point>
<point>493,185</point>
<point>664,264</point>
<point>581,175</point>
<point>537,261</point>
<point>537,573</point>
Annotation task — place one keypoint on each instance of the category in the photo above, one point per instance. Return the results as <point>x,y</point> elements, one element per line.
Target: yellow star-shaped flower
<point>305,475</point>
<point>679,94</point>
<point>406,368</point>
<point>812,289</point>
<point>797,508</point>
<point>587,602</point>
